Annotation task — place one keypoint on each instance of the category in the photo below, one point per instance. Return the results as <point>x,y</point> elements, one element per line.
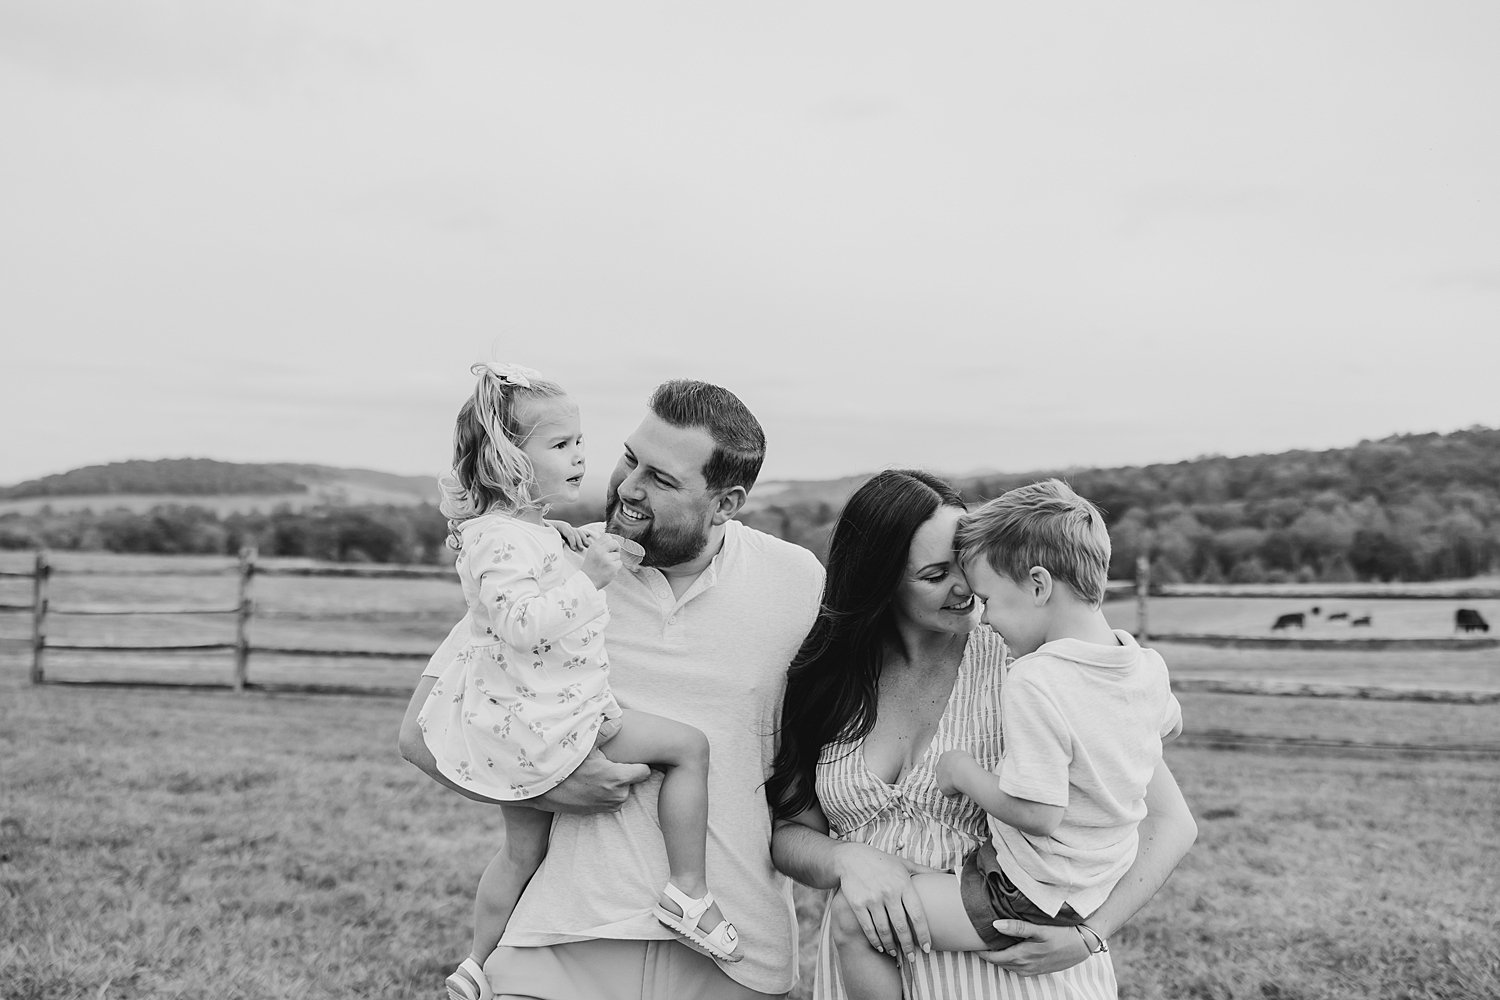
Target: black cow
<point>1337,615</point>
<point>1360,621</point>
<point>1296,618</point>
<point>1469,620</point>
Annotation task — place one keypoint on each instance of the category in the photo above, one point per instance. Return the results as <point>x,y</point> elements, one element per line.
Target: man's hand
<point>598,785</point>
<point>950,766</point>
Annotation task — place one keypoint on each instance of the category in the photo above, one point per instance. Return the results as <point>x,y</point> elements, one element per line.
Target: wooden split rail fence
<point>42,611</point>
<point>1141,588</point>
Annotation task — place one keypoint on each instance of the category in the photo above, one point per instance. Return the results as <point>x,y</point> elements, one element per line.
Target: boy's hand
<point>950,766</point>
<point>572,537</point>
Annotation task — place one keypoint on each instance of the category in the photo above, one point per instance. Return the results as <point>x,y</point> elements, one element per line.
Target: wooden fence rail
<point>248,569</point>
<point>42,611</point>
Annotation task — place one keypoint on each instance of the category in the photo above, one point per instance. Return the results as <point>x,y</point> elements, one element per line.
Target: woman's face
<point>933,594</point>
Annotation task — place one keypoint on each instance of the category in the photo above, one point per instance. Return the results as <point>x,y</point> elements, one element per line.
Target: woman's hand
<point>877,886</point>
<point>1046,949</point>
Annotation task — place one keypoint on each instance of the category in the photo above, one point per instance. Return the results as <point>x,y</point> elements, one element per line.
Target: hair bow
<point>510,374</point>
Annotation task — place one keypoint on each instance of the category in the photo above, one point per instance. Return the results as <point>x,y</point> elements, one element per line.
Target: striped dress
<point>913,820</point>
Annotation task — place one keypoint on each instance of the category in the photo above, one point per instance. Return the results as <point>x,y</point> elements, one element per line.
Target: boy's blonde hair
<point>1045,524</point>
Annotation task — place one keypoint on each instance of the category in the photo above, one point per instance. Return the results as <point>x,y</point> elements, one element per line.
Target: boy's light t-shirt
<point>717,660</point>
<point>1084,726</point>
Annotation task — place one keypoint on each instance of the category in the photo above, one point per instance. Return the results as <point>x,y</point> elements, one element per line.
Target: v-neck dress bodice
<point>915,821</point>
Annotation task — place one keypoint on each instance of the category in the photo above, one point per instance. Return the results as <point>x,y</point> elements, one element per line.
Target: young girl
<point>528,696</point>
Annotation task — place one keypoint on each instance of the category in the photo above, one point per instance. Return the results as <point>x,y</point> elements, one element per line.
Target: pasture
<point>165,843</point>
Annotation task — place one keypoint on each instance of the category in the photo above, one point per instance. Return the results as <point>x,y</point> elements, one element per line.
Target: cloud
<point>174,44</point>
<point>1472,279</point>
<point>1159,205</point>
<point>856,108</point>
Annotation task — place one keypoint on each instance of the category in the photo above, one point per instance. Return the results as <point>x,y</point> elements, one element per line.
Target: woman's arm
<point>876,885</point>
<point>1166,834</point>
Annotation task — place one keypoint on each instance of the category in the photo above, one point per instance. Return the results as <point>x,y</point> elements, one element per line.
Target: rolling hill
<point>224,487</point>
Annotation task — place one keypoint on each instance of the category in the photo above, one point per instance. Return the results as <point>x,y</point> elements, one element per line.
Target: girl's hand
<point>877,886</point>
<point>602,561</point>
<point>1046,949</point>
<point>574,538</point>
<point>950,765</point>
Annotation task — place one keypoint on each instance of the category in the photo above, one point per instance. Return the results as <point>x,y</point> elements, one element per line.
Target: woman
<point>895,671</point>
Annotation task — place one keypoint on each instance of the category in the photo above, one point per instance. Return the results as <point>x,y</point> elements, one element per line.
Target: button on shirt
<point>716,658</point>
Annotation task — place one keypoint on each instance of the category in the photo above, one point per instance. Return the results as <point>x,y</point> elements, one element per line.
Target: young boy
<point>1084,710</point>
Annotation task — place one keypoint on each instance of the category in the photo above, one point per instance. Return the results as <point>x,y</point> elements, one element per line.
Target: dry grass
<point>152,841</point>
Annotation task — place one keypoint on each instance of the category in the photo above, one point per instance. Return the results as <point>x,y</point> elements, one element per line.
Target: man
<point>702,633</point>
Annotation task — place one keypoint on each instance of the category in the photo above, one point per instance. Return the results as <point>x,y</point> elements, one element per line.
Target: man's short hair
<point>739,441</point>
<point>1045,524</point>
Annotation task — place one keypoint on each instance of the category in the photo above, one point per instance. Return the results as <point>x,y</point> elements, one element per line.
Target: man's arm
<point>598,784</point>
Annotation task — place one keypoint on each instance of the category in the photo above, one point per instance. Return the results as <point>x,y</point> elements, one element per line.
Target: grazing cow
<point>1338,615</point>
<point>1296,618</point>
<point>1469,620</point>
<point>1360,621</point>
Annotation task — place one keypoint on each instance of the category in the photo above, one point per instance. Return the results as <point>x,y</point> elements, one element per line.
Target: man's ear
<point>729,503</point>
<point>1039,582</point>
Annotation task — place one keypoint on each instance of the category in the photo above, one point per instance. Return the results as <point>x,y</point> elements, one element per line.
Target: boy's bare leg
<point>681,752</point>
<point>868,973</point>
<point>505,877</point>
<point>949,922</point>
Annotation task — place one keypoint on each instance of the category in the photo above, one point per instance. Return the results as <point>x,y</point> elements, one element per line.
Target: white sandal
<point>719,943</point>
<point>468,982</point>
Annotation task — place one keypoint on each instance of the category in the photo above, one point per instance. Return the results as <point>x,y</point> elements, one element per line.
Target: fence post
<point>1142,587</point>
<point>242,622</point>
<point>39,614</point>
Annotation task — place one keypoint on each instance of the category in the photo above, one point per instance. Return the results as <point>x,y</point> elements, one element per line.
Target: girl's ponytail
<point>490,471</point>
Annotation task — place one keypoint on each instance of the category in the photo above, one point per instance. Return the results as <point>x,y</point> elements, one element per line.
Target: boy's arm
<point>958,773</point>
<point>1166,834</point>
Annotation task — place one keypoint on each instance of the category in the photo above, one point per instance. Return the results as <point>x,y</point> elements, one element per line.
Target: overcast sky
<point>957,236</point>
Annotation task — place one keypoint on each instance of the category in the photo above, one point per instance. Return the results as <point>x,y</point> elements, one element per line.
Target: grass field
<point>178,843</point>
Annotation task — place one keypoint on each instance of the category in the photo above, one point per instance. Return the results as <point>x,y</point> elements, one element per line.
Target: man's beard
<point>664,546</point>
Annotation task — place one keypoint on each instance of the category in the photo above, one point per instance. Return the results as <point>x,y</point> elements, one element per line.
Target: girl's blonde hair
<point>490,471</point>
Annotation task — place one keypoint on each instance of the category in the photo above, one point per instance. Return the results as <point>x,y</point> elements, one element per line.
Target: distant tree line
<point>414,533</point>
<point>1413,507</point>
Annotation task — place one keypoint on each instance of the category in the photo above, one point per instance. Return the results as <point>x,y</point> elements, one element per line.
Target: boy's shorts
<point>988,895</point>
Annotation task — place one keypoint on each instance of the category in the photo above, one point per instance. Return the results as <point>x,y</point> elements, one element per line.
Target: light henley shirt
<point>716,659</point>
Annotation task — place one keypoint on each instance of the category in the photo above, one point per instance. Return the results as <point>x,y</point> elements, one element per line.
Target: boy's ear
<point>1039,582</point>
<point>729,504</point>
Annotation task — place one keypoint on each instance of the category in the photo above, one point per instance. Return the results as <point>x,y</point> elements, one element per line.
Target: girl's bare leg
<point>681,752</point>
<point>505,877</point>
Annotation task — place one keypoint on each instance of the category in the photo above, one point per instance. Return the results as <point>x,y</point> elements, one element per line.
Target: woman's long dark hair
<point>834,680</point>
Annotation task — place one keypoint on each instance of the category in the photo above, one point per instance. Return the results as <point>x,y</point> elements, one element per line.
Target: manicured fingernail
<point>911,956</point>
<point>927,949</point>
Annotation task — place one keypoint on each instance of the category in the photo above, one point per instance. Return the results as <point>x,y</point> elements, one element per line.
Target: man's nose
<point>630,486</point>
